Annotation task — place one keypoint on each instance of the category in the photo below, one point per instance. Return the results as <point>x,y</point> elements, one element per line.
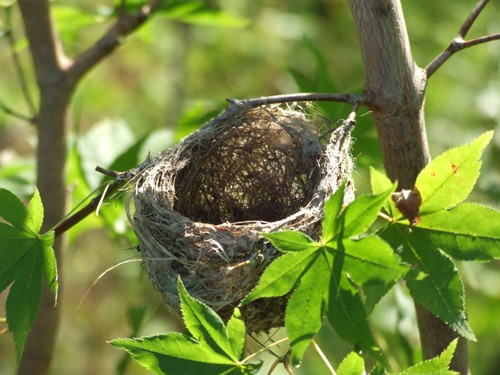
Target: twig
<point>458,43</point>
<point>323,357</point>
<point>120,179</point>
<point>14,113</point>
<point>19,71</point>
<point>352,99</point>
<point>114,37</point>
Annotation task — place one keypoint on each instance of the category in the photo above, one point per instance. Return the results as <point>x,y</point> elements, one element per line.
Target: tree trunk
<point>395,89</point>
<point>51,157</point>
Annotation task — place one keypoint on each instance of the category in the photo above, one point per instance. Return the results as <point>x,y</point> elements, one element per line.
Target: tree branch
<point>19,70</point>
<point>46,50</point>
<point>352,99</point>
<point>458,43</point>
<point>125,25</point>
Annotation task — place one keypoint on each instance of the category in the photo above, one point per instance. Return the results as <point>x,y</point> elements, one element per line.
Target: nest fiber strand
<point>200,205</point>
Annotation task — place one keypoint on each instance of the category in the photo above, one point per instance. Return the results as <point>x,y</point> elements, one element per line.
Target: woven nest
<point>200,206</point>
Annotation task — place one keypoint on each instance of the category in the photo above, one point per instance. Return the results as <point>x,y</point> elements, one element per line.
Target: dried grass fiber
<point>200,206</point>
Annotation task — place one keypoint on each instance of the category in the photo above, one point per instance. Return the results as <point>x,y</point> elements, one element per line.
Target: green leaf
<point>288,241</point>
<point>450,177</point>
<point>332,209</point>
<point>35,212</point>
<point>281,275</point>
<point>199,13</point>
<point>236,333</point>
<point>379,184</point>
<point>361,213</point>
<point>370,260</point>
<point>13,210</point>
<point>434,282</point>
<point>162,354</point>
<point>353,364</point>
<point>214,349</point>
<point>25,258</point>
<point>465,232</point>
<point>304,312</point>
<point>435,366</point>
<point>348,317</point>
<point>204,324</point>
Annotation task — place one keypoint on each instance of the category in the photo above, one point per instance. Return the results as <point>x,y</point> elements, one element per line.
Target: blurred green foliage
<point>170,77</point>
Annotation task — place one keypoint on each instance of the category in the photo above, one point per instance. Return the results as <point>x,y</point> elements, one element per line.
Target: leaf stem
<point>323,357</point>
<point>251,356</point>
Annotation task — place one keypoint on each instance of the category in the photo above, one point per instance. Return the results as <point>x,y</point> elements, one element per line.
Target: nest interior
<point>199,207</point>
<point>257,169</point>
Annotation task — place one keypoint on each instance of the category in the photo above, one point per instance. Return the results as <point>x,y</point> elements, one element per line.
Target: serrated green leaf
<point>374,293</point>
<point>435,366</point>
<point>204,324</point>
<point>332,209</point>
<point>24,298</point>
<point>449,178</point>
<point>434,282</point>
<point>348,317</point>
<point>35,212</point>
<point>361,213</point>
<point>49,262</point>
<point>236,333</point>
<point>288,241</point>
<point>353,364</point>
<point>379,183</point>
<point>25,257</point>
<point>370,260</point>
<point>281,275</point>
<point>13,210</point>
<point>465,232</point>
<point>162,354</point>
<point>304,312</point>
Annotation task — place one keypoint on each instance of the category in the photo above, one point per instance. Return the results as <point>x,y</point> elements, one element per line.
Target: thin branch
<point>4,107</point>
<point>121,178</point>
<point>353,99</point>
<point>472,18</point>
<point>113,38</point>
<point>458,43</point>
<point>19,68</point>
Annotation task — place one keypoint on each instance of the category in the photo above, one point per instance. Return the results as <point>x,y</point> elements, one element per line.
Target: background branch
<point>125,25</point>
<point>458,43</point>
<point>21,76</point>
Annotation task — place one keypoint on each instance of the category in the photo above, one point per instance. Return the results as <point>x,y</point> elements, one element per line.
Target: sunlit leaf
<point>289,241</point>
<point>465,232</point>
<point>304,312</point>
<point>281,275</point>
<point>435,366</point>
<point>353,364</point>
<point>204,325</point>
<point>371,260</point>
<point>214,349</point>
<point>362,212</point>
<point>449,178</point>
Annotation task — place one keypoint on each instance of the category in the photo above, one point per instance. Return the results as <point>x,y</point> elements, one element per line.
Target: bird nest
<point>200,207</point>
